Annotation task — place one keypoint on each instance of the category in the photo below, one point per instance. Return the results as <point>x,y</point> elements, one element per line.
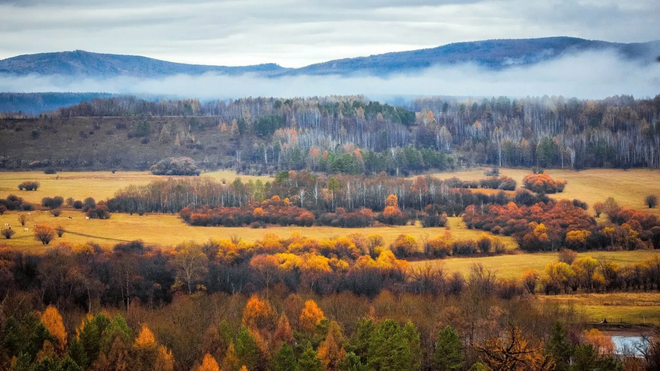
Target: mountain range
<point>491,54</point>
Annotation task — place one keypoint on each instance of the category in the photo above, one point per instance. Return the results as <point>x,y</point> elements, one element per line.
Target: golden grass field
<point>628,187</point>
<point>513,265</point>
<point>635,308</point>
<point>97,184</point>
<point>169,230</point>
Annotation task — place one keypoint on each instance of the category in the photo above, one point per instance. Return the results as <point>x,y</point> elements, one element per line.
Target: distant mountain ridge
<point>88,64</point>
<point>492,54</point>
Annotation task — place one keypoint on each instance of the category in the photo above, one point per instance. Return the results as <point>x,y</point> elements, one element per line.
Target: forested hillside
<point>339,134</point>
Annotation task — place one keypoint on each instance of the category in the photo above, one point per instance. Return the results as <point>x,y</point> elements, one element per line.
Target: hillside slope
<point>493,54</point>
<point>82,63</point>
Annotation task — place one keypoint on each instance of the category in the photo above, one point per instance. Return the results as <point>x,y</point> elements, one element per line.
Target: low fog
<point>589,75</point>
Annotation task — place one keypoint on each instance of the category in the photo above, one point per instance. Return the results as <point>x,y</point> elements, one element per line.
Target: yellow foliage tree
<point>209,364</point>
<point>331,352</point>
<point>164,360</point>
<point>283,333</point>
<point>146,338</point>
<point>52,320</point>
<point>310,316</point>
<point>258,314</point>
<point>230,362</point>
<point>602,343</point>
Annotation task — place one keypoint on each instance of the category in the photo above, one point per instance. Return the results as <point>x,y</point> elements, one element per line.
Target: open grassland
<point>512,266</point>
<point>167,230</point>
<point>628,187</point>
<point>635,308</point>
<point>97,184</point>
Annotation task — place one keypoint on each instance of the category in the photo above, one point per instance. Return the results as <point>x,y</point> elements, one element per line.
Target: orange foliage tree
<point>310,316</point>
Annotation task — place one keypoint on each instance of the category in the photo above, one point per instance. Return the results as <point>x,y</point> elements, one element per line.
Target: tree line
<point>323,133</point>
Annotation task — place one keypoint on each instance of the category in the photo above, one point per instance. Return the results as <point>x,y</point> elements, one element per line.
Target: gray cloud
<point>298,32</point>
<point>585,75</point>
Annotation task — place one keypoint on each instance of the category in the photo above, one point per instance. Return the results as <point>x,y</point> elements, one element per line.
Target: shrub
<point>69,201</point>
<point>3,208</point>
<point>52,203</point>
<point>543,183</point>
<point>50,171</point>
<point>567,256</point>
<point>60,231</point>
<point>651,201</point>
<point>484,244</point>
<point>22,218</point>
<point>175,166</point>
<point>599,207</point>
<point>77,204</point>
<point>44,233</point>
<point>8,232</point>
<point>56,212</point>
<point>88,204</point>
<point>404,246</point>
<point>467,247</point>
<point>99,212</point>
<point>28,186</point>
<point>434,220</point>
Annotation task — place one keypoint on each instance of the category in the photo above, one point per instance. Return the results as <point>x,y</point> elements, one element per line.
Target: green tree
<point>352,363</point>
<point>359,342</point>
<point>247,349</point>
<point>285,359</point>
<point>77,353</point>
<point>448,354</point>
<point>559,348</point>
<point>68,364</point>
<point>309,360</point>
<point>412,336</point>
<point>389,349</point>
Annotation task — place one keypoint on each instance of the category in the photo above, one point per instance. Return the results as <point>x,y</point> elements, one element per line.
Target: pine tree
<point>412,335</point>
<point>285,359</point>
<point>559,348</point>
<point>448,354</point>
<point>389,350</point>
<point>359,342</point>
<point>68,364</point>
<point>247,349</point>
<point>352,363</point>
<point>309,360</point>
<point>77,353</point>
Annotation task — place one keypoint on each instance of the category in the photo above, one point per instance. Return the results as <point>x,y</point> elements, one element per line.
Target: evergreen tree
<point>309,360</point>
<point>448,354</point>
<point>352,363</point>
<point>359,342</point>
<point>68,364</point>
<point>389,349</point>
<point>559,348</point>
<point>412,335</point>
<point>285,359</point>
<point>77,353</point>
<point>247,350</point>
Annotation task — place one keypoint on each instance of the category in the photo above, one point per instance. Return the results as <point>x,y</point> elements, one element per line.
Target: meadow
<point>620,307</point>
<point>169,230</point>
<point>97,184</point>
<point>628,187</point>
<point>513,265</point>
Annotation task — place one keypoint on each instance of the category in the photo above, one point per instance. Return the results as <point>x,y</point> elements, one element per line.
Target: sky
<point>295,33</point>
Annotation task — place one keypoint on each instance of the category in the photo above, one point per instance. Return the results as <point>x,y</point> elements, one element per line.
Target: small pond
<point>636,345</point>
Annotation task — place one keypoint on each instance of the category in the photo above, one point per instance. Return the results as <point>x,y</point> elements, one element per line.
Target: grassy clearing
<point>636,308</point>
<point>167,230</point>
<point>97,184</point>
<point>628,187</point>
<point>512,266</point>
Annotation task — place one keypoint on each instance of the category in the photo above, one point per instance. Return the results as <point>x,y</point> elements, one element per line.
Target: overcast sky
<point>295,33</point>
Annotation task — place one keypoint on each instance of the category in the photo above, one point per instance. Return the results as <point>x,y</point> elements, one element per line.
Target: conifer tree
<point>559,348</point>
<point>309,360</point>
<point>448,354</point>
<point>285,359</point>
